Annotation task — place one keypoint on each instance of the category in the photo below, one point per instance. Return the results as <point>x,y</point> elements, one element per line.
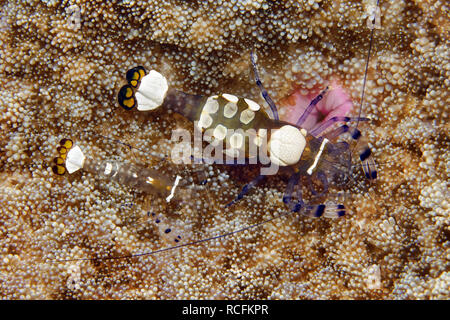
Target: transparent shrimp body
<point>288,145</point>
<point>71,159</point>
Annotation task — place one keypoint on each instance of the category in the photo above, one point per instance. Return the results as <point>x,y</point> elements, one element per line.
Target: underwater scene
<point>247,149</point>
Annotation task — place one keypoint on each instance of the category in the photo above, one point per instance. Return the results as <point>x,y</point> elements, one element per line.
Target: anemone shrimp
<point>313,155</point>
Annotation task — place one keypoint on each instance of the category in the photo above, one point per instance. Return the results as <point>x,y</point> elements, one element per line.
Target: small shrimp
<point>146,180</point>
<point>311,154</point>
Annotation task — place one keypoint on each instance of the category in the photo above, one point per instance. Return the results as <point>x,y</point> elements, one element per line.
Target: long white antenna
<point>373,24</point>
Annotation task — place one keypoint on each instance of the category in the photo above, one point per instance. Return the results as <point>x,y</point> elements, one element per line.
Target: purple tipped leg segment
<point>310,107</point>
<point>365,153</point>
<point>264,92</point>
<point>320,129</point>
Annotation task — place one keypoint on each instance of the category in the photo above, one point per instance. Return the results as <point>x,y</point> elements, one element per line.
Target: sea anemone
<point>336,102</point>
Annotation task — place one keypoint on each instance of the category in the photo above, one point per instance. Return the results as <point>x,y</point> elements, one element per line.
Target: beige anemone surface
<point>60,78</point>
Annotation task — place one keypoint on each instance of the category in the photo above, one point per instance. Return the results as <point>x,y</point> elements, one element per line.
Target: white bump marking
<point>108,168</point>
<point>172,190</point>
<point>230,110</point>
<point>322,146</point>
<point>211,105</point>
<point>220,132</point>
<point>149,180</point>
<point>252,105</point>
<point>247,116</point>
<point>236,140</point>
<point>286,145</point>
<point>205,121</point>
<point>230,97</point>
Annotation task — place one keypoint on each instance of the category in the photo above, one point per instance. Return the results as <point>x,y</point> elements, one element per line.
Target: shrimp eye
<point>62,150</point>
<point>66,143</point>
<point>59,169</point>
<point>58,161</point>
<point>135,75</point>
<point>126,97</point>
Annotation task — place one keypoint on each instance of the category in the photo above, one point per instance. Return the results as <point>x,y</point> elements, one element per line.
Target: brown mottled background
<point>60,79</point>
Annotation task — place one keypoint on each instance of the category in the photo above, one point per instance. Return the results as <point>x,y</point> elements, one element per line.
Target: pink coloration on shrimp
<point>335,103</point>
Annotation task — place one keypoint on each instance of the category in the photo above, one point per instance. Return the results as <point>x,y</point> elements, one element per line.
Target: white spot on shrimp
<point>252,104</point>
<point>230,110</point>
<point>220,132</point>
<point>236,140</point>
<point>152,91</point>
<point>211,105</point>
<point>247,116</point>
<point>205,121</point>
<point>108,168</point>
<point>230,97</point>
<point>286,145</point>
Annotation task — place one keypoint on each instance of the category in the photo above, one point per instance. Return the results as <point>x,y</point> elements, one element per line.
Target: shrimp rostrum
<point>242,125</point>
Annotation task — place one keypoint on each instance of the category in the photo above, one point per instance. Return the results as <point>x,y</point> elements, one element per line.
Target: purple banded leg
<point>337,132</point>
<point>316,211</point>
<point>310,107</point>
<point>318,130</point>
<point>300,203</point>
<point>128,205</point>
<point>327,211</point>
<point>166,231</point>
<point>369,166</point>
<point>364,152</point>
<point>264,92</point>
<point>321,210</point>
<point>246,189</point>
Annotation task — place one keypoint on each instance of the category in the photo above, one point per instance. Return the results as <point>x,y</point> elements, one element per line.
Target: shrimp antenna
<point>130,146</point>
<point>253,226</point>
<point>372,25</point>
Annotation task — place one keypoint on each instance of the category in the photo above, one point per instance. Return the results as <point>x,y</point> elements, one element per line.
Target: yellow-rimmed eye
<point>59,161</point>
<point>126,97</point>
<point>135,75</point>
<point>62,150</point>
<point>58,169</point>
<point>66,143</point>
<point>141,71</point>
